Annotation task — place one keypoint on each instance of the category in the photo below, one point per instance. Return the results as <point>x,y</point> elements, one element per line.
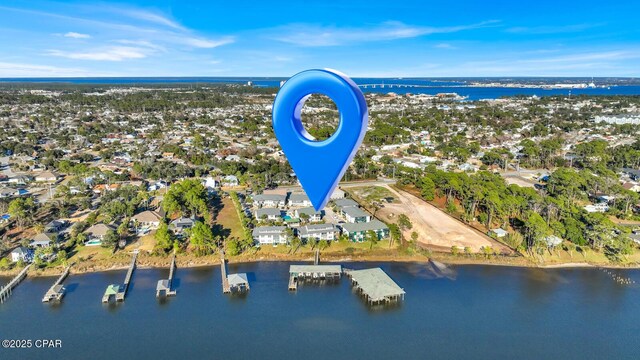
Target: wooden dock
<point>56,292</point>
<point>293,283</point>
<point>316,258</point>
<point>123,289</point>
<point>226,288</point>
<point>164,286</point>
<point>6,290</point>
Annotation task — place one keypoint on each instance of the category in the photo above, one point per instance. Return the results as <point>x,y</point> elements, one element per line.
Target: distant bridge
<point>391,86</point>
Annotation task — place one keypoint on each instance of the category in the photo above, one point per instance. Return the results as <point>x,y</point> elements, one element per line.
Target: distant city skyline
<point>361,38</point>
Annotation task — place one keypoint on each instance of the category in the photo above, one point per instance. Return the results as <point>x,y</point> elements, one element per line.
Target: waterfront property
<point>110,293</point>
<point>181,224</point>
<point>325,232</point>
<point>270,235</point>
<point>164,285</point>
<point>376,286</point>
<point>22,253</point>
<point>6,290</point>
<point>149,219</point>
<point>57,290</point>
<point>96,233</point>
<point>358,231</point>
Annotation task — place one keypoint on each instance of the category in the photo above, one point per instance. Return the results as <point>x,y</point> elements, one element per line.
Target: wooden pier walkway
<point>6,290</point>
<point>164,286</point>
<point>226,288</point>
<point>316,258</point>
<point>123,290</point>
<point>56,291</point>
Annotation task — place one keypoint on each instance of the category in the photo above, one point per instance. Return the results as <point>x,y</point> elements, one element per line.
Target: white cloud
<point>12,70</point>
<point>207,43</point>
<point>540,30</point>
<point>76,35</point>
<point>445,46</point>
<point>313,35</point>
<point>112,53</point>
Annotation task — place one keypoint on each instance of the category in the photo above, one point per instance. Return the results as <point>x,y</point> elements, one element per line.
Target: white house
<point>270,235</point>
<point>21,253</point>
<point>299,200</point>
<point>314,215</point>
<point>269,200</point>
<point>327,232</point>
<point>355,215</point>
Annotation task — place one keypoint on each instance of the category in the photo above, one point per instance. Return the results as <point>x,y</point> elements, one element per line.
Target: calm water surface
<point>481,312</point>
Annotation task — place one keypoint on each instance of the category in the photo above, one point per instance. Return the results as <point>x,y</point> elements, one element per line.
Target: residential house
<point>230,180</point>
<point>357,231</point>
<point>632,186</point>
<point>355,215</point>
<point>270,235</point>
<point>55,226</point>
<point>47,176</point>
<point>314,216</point>
<point>181,224</point>
<point>22,253</point>
<point>269,200</point>
<point>299,200</point>
<point>337,194</point>
<point>43,240</point>
<point>148,218</point>
<point>327,232</point>
<point>343,203</point>
<point>6,192</point>
<point>97,233</point>
<point>269,214</point>
<point>499,233</point>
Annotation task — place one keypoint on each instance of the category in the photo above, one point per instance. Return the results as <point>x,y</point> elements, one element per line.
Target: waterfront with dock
<point>118,292</point>
<point>56,291</point>
<point>6,290</point>
<point>441,317</point>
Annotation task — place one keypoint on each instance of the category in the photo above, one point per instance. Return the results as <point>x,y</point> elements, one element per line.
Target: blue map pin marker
<point>320,165</point>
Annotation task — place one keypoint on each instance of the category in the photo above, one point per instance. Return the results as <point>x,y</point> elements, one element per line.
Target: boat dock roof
<point>297,269</point>
<point>376,285</point>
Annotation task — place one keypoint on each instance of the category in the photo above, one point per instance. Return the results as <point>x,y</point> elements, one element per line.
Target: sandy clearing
<point>435,227</point>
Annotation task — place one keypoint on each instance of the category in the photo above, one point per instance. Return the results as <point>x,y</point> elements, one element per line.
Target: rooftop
<point>315,269</point>
<point>365,226</point>
<point>376,284</point>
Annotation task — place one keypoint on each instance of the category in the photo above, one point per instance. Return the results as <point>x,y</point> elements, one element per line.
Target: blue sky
<point>280,38</point>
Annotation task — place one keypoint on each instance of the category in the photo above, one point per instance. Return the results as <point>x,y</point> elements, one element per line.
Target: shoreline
<point>209,261</point>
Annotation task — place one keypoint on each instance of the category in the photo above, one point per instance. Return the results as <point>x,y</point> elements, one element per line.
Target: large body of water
<point>428,86</point>
<point>482,312</point>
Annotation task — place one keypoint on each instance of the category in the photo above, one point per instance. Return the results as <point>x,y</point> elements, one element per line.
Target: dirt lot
<point>434,227</point>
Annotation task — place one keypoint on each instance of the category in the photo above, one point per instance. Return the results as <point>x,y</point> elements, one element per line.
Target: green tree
<point>404,223</point>
<point>428,190</point>
<point>201,239</point>
<point>164,238</point>
<point>371,237</point>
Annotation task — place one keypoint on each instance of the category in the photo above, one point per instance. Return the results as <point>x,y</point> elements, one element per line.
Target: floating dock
<point>6,290</point>
<point>312,272</point>
<point>120,291</point>
<point>376,286</point>
<point>57,291</point>
<point>164,286</point>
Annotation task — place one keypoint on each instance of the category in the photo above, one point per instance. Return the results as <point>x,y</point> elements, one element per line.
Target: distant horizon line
<point>355,77</point>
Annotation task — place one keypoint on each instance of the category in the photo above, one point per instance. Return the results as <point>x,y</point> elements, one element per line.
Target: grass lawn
<point>229,224</point>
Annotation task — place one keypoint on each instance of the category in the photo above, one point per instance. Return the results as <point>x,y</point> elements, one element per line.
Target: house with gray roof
<point>343,203</point>
<point>43,240</point>
<point>299,200</point>
<point>314,216</point>
<point>355,215</point>
<point>269,235</point>
<point>269,214</point>
<point>270,200</point>
<point>357,231</point>
<point>327,232</point>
